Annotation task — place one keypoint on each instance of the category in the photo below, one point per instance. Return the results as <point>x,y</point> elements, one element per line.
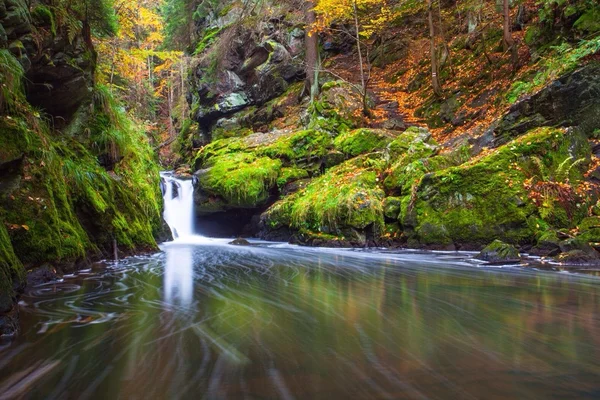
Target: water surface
<point>209,320</point>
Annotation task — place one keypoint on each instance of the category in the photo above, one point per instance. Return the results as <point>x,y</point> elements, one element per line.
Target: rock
<point>548,245</point>
<point>240,242</point>
<point>394,124</point>
<point>251,74</point>
<point>392,207</point>
<point>499,252</point>
<point>44,274</point>
<point>361,141</point>
<point>579,257</point>
<point>387,50</point>
<point>296,41</point>
<point>449,108</point>
<point>571,100</point>
<point>488,197</point>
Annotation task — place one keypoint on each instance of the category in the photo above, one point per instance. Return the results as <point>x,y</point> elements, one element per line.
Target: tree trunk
<point>312,52</point>
<point>363,80</point>
<point>435,82</point>
<point>507,41</point>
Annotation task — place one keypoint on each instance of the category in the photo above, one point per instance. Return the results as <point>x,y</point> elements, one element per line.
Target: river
<point>204,319</point>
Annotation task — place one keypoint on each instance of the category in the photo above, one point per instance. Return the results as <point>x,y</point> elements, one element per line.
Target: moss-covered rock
<point>417,142</point>
<point>499,252</point>
<point>300,147</point>
<point>338,108</point>
<point>392,207</point>
<point>344,202</point>
<point>488,198</point>
<point>361,141</point>
<point>241,179</point>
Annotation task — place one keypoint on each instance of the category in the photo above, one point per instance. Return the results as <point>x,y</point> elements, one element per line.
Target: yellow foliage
<point>372,15</point>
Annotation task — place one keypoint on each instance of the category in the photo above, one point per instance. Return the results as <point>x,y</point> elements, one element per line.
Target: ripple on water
<point>279,321</point>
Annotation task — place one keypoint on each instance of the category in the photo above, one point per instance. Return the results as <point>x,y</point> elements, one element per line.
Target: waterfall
<point>178,197</point>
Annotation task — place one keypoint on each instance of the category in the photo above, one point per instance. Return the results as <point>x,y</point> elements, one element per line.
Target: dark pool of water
<point>213,321</point>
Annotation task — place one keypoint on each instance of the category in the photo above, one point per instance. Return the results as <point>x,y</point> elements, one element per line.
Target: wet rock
<point>9,324</point>
<point>499,252</point>
<point>579,257</point>
<point>240,242</point>
<point>44,274</point>
<point>548,245</point>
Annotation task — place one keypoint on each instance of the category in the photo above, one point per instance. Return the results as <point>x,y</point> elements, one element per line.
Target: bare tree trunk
<point>435,82</point>
<point>312,52</point>
<point>507,41</point>
<point>363,80</point>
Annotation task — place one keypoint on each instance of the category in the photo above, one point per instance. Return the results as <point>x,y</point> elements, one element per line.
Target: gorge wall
<point>78,179</point>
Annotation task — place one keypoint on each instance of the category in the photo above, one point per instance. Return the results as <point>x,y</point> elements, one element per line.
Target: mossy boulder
<point>345,202</point>
<point>499,252</point>
<point>416,142</point>
<point>361,141</point>
<point>488,198</point>
<point>338,108</point>
<point>243,180</point>
<point>392,207</point>
<point>305,147</point>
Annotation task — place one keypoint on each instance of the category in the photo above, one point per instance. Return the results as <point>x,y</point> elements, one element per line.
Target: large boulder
<point>572,100</point>
<point>343,206</point>
<point>498,196</point>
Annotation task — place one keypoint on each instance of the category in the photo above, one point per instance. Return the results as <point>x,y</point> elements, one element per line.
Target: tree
<point>312,51</point>
<point>368,17</point>
<point>435,79</point>
<point>507,40</point>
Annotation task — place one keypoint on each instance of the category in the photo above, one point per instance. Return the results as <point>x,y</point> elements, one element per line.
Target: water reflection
<point>280,322</point>
<point>179,276</point>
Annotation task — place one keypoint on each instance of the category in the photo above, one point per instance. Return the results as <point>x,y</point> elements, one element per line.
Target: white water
<point>178,196</point>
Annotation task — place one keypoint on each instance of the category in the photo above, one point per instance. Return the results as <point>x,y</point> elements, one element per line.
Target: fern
<point>11,77</point>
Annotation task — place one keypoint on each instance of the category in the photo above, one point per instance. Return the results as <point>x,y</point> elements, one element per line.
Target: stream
<point>205,319</point>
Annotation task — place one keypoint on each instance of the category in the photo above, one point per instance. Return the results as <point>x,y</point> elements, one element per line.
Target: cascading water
<point>178,197</point>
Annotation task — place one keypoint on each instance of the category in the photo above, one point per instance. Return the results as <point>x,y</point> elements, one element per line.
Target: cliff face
<point>77,177</point>
<point>505,152</point>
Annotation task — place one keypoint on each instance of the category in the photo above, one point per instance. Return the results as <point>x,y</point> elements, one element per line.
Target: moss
<point>413,140</point>
<point>43,16</point>
<point>392,207</point>
<point>360,141</point>
<point>589,229</point>
<point>347,196</point>
<point>405,173</point>
<point>288,175</point>
<point>12,273</point>
<point>498,251</point>
<point>218,148</point>
<point>242,179</point>
<point>11,80</point>
<point>487,199</point>
<point>227,133</point>
<point>209,37</point>
<point>299,146</point>
<point>67,206</point>
<point>337,109</point>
